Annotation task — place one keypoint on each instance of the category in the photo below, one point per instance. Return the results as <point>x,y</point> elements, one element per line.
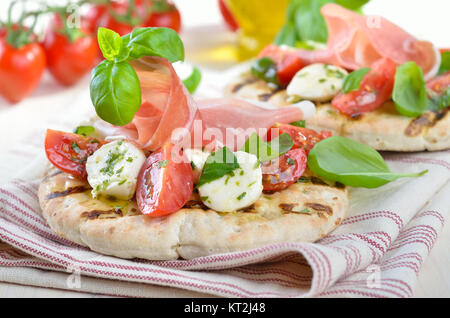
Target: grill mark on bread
<point>288,207</point>
<point>427,120</point>
<point>54,174</point>
<point>69,191</point>
<point>265,97</point>
<point>320,208</point>
<point>239,86</point>
<point>95,214</point>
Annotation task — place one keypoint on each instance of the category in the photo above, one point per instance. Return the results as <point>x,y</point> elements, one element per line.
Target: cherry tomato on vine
<point>166,16</point>
<point>21,65</point>
<point>71,53</point>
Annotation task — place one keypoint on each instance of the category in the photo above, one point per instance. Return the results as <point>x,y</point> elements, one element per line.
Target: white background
<point>427,19</point>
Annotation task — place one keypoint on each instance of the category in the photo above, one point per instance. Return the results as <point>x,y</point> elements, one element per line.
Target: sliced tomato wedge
<point>280,173</point>
<point>69,152</point>
<point>165,182</point>
<point>287,62</point>
<point>303,138</point>
<point>375,89</point>
<point>440,83</point>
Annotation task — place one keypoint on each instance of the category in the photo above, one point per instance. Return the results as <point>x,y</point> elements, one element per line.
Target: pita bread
<point>118,228</point>
<point>383,129</point>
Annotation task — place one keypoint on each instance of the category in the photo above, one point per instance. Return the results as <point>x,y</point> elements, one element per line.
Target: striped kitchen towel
<point>377,251</point>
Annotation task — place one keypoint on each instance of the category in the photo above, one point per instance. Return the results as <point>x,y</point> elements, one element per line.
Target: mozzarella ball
<point>317,82</point>
<point>113,169</point>
<point>236,190</point>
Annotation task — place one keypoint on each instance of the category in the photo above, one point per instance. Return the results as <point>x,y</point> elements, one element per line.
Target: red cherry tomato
<point>165,183</point>
<point>440,84</point>
<point>21,69</point>
<point>228,17</point>
<point>120,8</point>
<point>303,138</point>
<point>287,62</point>
<point>167,19</point>
<point>69,152</point>
<point>92,18</point>
<point>280,173</point>
<point>69,62</point>
<point>375,89</point>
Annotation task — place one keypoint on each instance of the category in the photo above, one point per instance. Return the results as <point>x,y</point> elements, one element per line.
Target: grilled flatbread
<point>383,129</point>
<point>304,212</point>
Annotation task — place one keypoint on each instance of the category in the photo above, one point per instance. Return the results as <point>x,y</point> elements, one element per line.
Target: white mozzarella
<point>317,82</point>
<point>113,169</point>
<point>197,158</point>
<point>237,190</point>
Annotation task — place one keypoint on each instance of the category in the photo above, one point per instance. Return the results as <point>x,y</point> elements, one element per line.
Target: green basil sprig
<point>352,81</point>
<point>410,94</point>
<point>352,163</point>
<point>193,81</point>
<point>305,22</point>
<point>218,164</point>
<point>115,88</point>
<point>445,63</point>
<point>266,69</point>
<point>268,151</point>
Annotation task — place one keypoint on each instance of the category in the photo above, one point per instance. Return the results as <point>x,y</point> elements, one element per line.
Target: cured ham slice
<point>233,120</point>
<point>166,103</point>
<point>357,41</point>
<point>167,106</point>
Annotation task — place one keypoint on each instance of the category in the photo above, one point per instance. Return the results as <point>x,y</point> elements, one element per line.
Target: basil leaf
<point>310,22</point>
<point>287,35</point>
<point>352,81</point>
<point>352,4</point>
<point>300,123</point>
<point>410,95</point>
<point>115,92</point>
<point>193,81</point>
<point>445,63</point>
<point>162,42</point>
<point>265,69</point>
<point>110,43</point>
<point>84,130</point>
<point>218,164</point>
<point>268,151</point>
<point>305,22</point>
<point>351,163</point>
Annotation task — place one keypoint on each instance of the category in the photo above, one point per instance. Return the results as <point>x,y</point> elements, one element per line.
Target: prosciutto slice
<point>357,41</point>
<point>168,109</point>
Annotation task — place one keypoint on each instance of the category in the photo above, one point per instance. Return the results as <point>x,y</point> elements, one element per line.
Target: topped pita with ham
<point>357,41</point>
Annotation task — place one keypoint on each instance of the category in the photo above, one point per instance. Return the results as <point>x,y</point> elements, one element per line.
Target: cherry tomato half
<point>375,89</point>
<point>303,138</point>
<point>165,183</point>
<point>21,69</point>
<point>280,173</point>
<point>68,62</point>
<point>440,83</point>
<point>287,62</point>
<point>69,152</point>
